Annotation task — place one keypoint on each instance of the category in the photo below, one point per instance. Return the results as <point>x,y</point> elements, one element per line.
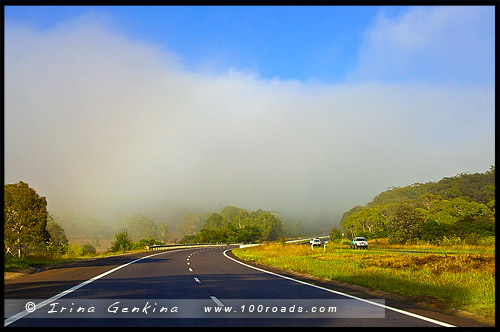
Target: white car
<point>359,242</point>
<point>315,242</point>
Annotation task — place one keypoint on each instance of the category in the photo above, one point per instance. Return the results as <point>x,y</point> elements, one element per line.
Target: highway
<point>203,286</point>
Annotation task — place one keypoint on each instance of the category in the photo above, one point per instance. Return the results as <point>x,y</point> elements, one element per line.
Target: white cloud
<point>442,44</point>
<point>103,125</point>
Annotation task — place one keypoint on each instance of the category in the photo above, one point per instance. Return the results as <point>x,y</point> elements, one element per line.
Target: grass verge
<point>462,281</point>
<point>12,263</point>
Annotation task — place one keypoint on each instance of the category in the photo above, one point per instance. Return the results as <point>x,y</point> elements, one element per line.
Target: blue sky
<point>325,43</point>
<point>305,110</point>
<point>300,43</point>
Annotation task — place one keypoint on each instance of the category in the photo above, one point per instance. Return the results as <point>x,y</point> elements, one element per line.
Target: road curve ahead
<point>186,287</point>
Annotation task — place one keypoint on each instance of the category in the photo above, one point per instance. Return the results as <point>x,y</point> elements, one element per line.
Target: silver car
<point>359,242</point>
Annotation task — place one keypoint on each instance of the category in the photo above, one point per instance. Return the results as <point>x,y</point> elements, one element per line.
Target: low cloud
<point>103,125</point>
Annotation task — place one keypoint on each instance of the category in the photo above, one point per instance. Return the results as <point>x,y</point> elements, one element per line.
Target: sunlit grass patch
<point>462,281</point>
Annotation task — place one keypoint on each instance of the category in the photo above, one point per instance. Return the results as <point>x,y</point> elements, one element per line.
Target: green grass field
<point>465,280</point>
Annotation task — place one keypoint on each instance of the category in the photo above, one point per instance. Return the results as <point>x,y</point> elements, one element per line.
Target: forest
<point>459,208</point>
<point>234,224</point>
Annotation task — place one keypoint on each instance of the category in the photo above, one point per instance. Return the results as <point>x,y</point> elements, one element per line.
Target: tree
<point>250,234</point>
<point>142,228</point>
<point>215,220</point>
<point>25,219</point>
<point>162,232</point>
<point>368,220</point>
<point>56,232</point>
<point>233,215</point>
<point>190,224</point>
<point>405,225</point>
<point>58,241</point>
<point>270,225</point>
<point>432,231</point>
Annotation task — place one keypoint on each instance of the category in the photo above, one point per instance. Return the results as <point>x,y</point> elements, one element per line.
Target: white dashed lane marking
<point>216,300</point>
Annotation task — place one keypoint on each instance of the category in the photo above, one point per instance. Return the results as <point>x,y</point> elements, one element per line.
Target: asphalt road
<point>186,287</point>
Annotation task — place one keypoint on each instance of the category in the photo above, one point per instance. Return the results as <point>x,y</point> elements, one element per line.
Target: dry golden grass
<point>437,264</point>
<point>104,242</point>
<point>465,280</point>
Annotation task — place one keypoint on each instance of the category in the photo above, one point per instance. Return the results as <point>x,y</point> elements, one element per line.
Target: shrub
<point>143,243</point>
<point>345,242</point>
<point>56,248</point>
<point>88,249</point>
<point>450,241</point>
<point>73,251</point>
<point>122,242</point>
<point>487,241</point>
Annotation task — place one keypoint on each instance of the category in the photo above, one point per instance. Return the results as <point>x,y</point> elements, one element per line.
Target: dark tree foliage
<point>462,206</point>
<point>405,224</point>
<point>478,187</point>
<point>25,220</point>
<point>234,224</point>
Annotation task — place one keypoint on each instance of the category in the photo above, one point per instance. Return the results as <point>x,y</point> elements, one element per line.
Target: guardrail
<point>242,245</point>
<point>190,245</point>
<point>301,240</point>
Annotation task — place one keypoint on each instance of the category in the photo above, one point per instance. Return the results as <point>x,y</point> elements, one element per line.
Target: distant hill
<point>478,187</point>
<point>460,207</point>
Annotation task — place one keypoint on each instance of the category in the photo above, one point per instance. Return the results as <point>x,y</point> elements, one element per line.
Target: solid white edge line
<point>24,313</point>
<point>343,294</point>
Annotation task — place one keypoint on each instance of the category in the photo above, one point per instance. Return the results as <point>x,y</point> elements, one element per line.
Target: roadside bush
<point>73,251</point>
<point>189,239</point>
<point>56,248</point>
<point>450,241</point>
<point>345,242</point>
<point>487,241</point>
<point>472,239</point>
<point>88,249</point>
<point>143,243</point>
<point>123,242</point>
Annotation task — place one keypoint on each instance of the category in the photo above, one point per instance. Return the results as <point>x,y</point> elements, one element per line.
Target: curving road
<point>186,287</point>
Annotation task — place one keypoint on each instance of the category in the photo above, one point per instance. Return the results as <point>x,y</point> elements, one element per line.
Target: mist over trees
<point>30,230</point>
<point>234,224</point>
<point>141,227</point>
<point>460,207</point>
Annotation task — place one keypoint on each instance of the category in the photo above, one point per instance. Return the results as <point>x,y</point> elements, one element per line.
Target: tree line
<point>30,230</point>
<point>460,207</point>
<point>233,224</point>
